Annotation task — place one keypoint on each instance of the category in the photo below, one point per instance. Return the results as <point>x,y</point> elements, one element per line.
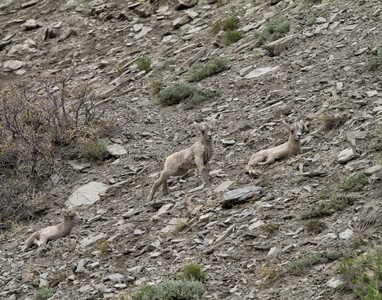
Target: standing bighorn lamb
<point>196,156</point>
<point>50,233</point>
<point>288,149</point>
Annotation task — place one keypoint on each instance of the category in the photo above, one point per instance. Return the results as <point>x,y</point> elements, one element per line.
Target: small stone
<point>372,170</point>
<point>334,283</point>
<point>29,3</point>
<point>116,150</point>
<point>223,186</point>
<point>347,234</point>
<point>239,196</point>
<point>225,234</point>
<point>164,209</point>
<point>115,277</point>
<point>179,22</point>
<point>346,155</point>
<point>145,30</point>
<point>321,20</point>
<point>183,4</point>
<point>278,46</point>
<point>87,194</point>
<point>361,51</point>
<point>192,14</point>
<point>260,71</point>
<point>256,224</point>
<point>12,65</point>
<point>273,252</point>
<point>371,93</point>
<point>227,143</point>
<point>80,266</point>
<point>138,232</point>
<point>30,24</point>
<point>89,241</point>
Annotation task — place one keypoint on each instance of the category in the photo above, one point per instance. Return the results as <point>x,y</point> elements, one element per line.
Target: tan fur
<point>283,151</point>
<point>50,233</point>
<point>196,156</point>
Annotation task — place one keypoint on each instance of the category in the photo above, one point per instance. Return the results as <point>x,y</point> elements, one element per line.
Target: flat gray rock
<point>116,150</point>
<point>223,186</point>
<point>12,65</point>
<point>260,71</point>
<point>91,240</point>
<point>87,194</point>
<point>346,155</point>
<point>239,196</point>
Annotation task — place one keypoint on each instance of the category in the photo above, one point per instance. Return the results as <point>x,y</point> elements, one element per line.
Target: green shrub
<point>143,64</point>
<point>269,228</point>
<point>218,25</point>
<point>274,29</point>
<point>312,21</point>
<point>297,267</point>
<point>200,71</point>
<point>355,183</point>
<point>57,278</point>
<point>230,37</point>
<point>363,275</point>
<point>102,246</point>
<point>156,84</point>
<point>42,294</point>
<point>231,23</point>
<point>165,65</point>
<point>341,201</point>
<point>171,290</point>
<point>317,210</point>
<point>94,150</point>
<point>336,201</point>
<point>188,95</point>
<point>193,272</point>
<point>375,61</point>
<point>378,145</point>
<point>314,226</point>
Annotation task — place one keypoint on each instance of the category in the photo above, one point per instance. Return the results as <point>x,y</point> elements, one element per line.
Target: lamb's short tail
<point>29,242</point>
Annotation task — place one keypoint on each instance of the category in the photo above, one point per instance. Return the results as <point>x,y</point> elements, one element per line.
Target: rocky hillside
<point>253,249</point>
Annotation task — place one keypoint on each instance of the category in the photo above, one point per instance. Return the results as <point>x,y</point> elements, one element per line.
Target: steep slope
<point>320,78</point>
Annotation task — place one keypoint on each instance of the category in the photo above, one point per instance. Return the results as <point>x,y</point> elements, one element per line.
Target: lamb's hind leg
<point>31,240</point>
<point>161,180</point>
<point>164,187</point>
<point>270,160</point>
<point>203,170</point>
<point>254,160</point>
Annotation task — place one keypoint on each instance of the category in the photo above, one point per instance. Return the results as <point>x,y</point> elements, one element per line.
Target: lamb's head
<point>206,129</point>
<point>297,129</point>
<point>71,215</point>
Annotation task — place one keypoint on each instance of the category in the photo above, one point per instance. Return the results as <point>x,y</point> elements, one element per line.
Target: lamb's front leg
<point>203,170</point>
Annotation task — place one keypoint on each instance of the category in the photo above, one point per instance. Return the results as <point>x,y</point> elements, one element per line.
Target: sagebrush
<point>190,96</point>
<point>38,120</point>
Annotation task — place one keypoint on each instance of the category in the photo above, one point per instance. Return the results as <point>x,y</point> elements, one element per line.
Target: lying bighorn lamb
<point>50,233</point>
<point>288,149</point>
<point>196,156</point>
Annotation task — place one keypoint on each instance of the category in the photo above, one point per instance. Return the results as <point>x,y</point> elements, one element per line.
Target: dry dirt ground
<point>320,75</point>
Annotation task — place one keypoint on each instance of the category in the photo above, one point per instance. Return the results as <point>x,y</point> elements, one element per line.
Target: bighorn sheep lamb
<point>50,233</point>
<point>196,156</point>
<point>288,149</point>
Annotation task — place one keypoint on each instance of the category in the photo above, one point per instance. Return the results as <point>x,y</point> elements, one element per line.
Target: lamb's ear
<point>303,125</point>
<point>212,123</point>
<point>197,126</point>
<point>287,126</point>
